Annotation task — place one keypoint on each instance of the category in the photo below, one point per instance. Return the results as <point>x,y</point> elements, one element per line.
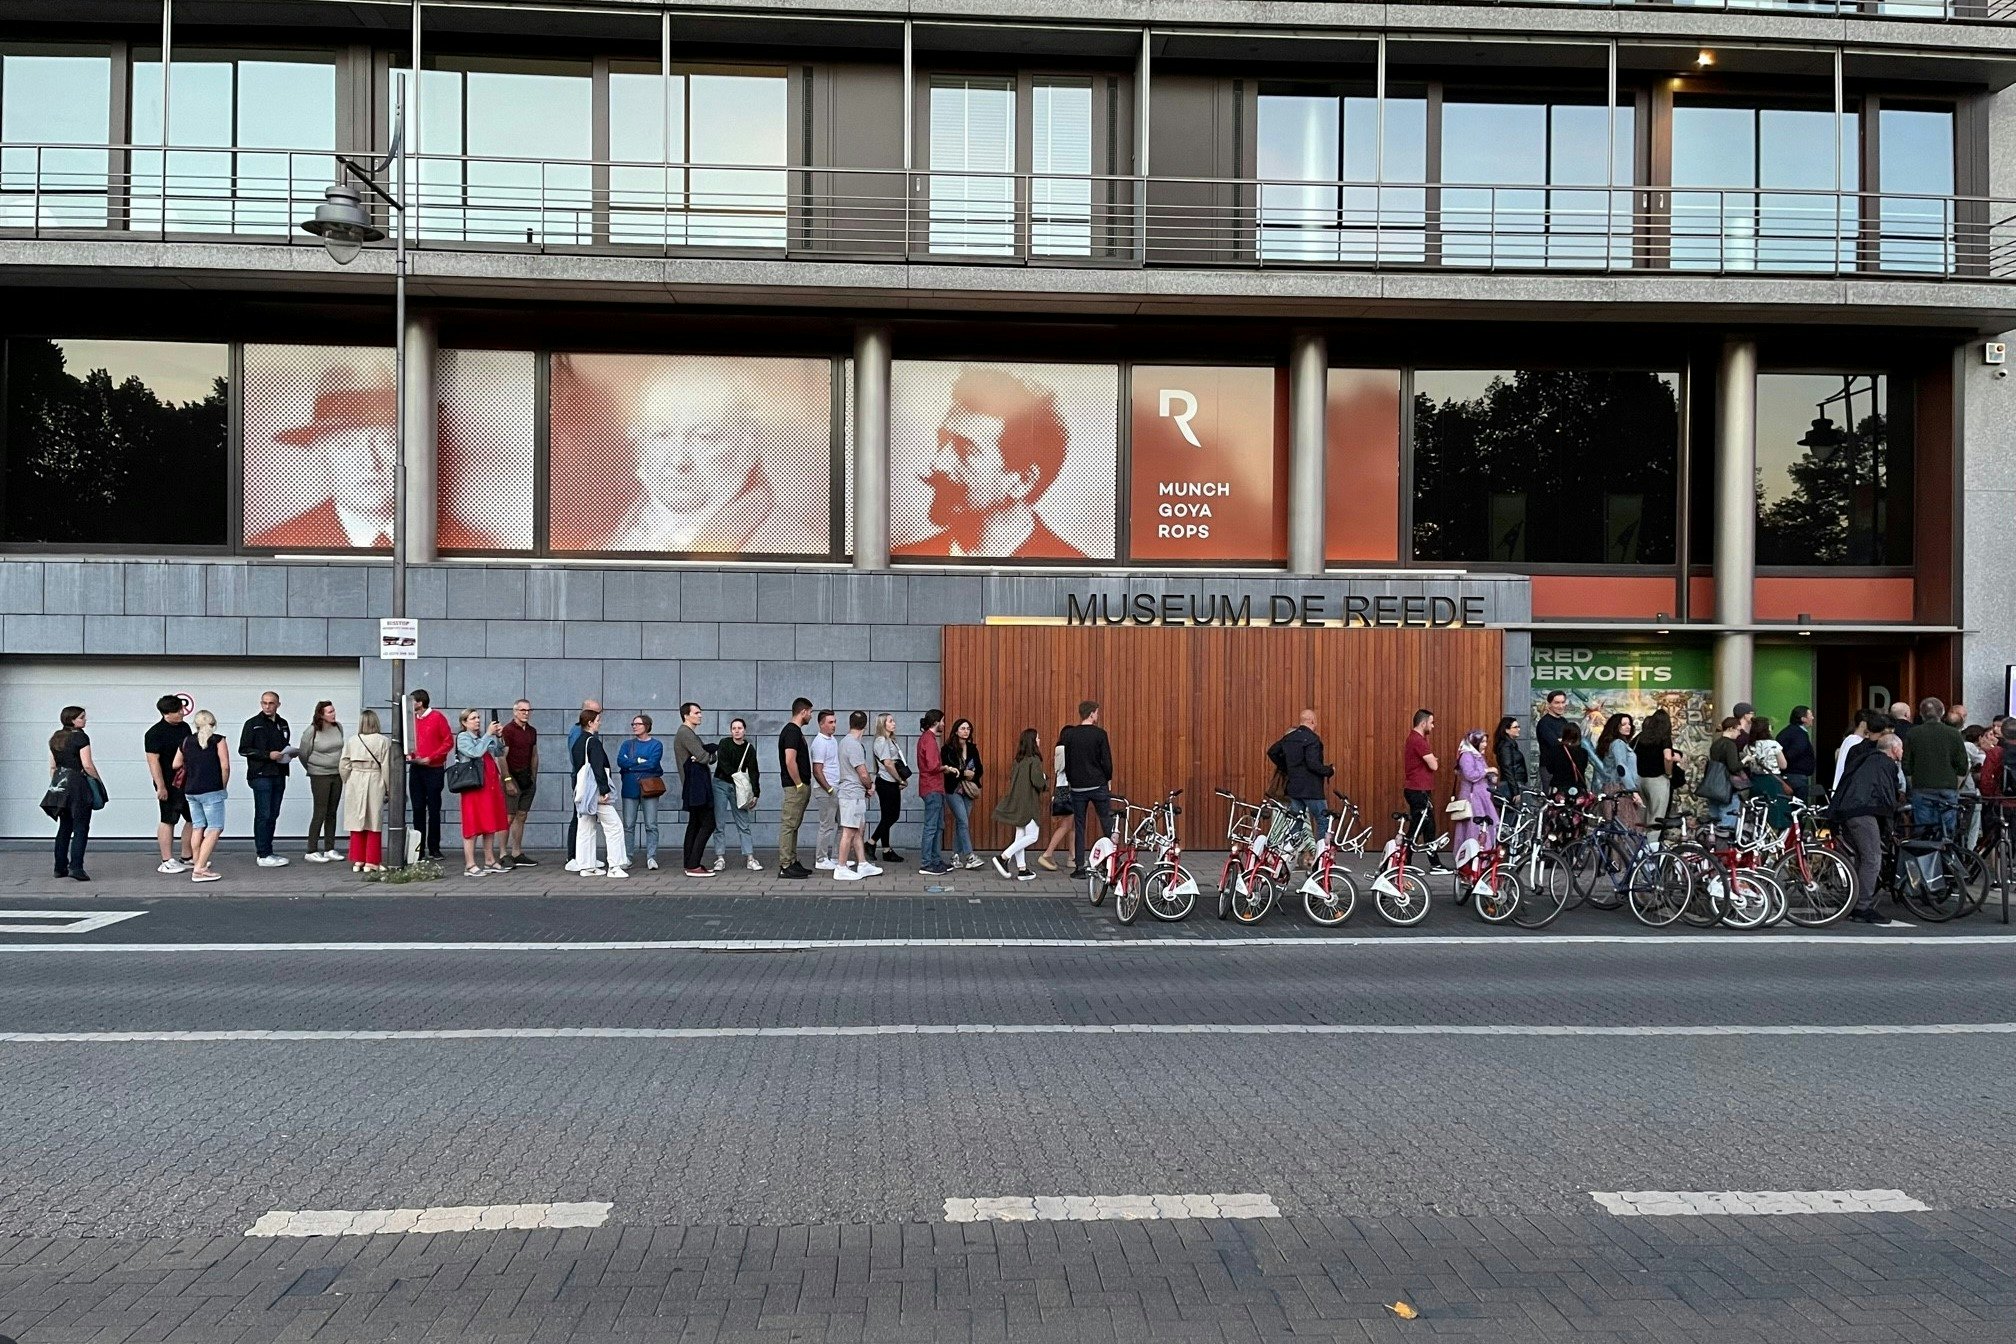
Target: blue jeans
<point>934,830</point>
<point>1934,811</point>
<point>1724,814</point>
<point>962,808</point>
<point>733,822</point>
<point>267,791</point>
<point>1316,810</point>
<point>640,826</point>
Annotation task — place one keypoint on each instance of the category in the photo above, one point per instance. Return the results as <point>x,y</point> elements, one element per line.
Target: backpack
<point>2008,780</point>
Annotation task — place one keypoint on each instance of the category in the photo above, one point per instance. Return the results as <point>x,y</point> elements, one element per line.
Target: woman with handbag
<point>695,764</point>
<point>1060,808</point>
<point>201,770</point>
<point>737,786</point>
<point>1617,771</point>
<point>364,769</point>
<point>75,792</point>
<point>592,810</point>
<point>1473,810</point>
<point>892,772</point>
<point>642,762</point>
<point>475,777</point>
<point>962,786</point>
<point>1656,759</point>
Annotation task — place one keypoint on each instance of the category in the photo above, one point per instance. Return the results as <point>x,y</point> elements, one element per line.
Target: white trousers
<point>610,822</point>
<point>1024,838</point>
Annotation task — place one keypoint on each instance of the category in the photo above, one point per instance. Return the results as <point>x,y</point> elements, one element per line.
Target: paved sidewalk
<point>1934,1277</point>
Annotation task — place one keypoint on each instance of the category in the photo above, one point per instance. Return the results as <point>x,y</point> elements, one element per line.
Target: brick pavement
<point>1521,1280</point>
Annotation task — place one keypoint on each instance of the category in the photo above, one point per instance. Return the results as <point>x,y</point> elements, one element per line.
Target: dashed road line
<point>1006,1029</point>
<point>1777,941</point>
<point>1100,1208</point>
<point>63,921</point>
<point>1695,1203</point>
<point>457,1218</point>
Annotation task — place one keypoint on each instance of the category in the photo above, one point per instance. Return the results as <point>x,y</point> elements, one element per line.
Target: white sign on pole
<point>398,637</point>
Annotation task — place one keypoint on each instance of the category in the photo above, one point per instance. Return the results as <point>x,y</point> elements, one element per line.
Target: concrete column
<point>1735,517</point>
<point>871,447</point>
<point>1308,396</point>
<point>417,413</point>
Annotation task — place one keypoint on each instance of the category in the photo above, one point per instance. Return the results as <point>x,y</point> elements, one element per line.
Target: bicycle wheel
<point>1406,904</point>
<point>1095,884</point>
<point>1823,895</point>
<point>1614,857</point>
<point>1748,903</point>
<point>1226,877</point>
<point>1497,897</point>
<point>1972,871</point>
<point>1543,891</point>
<point>1935,907</point>
<point>1710,896</point>
<point>1127,897</point>
<point>1659,887</point>
<point>1338,899</point>
<point>1164,901</point>
<point>1251,902</point>
<point>1580,856</point>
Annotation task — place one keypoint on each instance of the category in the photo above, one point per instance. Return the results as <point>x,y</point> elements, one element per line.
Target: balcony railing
<point>468,202</point>
<point>1976,11</point>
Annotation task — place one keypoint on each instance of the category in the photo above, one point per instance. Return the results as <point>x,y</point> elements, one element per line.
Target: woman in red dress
<point>485,818</point>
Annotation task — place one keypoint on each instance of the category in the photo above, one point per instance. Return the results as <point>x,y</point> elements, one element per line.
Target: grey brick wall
<point>742,641</point>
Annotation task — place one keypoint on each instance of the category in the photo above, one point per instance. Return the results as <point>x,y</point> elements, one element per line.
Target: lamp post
<point>344,225</point>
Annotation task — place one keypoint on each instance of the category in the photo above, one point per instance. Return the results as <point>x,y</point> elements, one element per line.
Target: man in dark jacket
<point>1555,769</point>
<point>1088,764</point>
<point>266,746</point>
<point>1800,759</point>
<point>1935,761</point>
<point>1863,805</point>
<point>1299,758</point>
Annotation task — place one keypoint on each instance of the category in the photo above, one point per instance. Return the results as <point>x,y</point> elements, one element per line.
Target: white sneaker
<point>272,861</point>
<point>172,866</point>
<point>589,872</point>
<point>751,864</point>
<point>650,865</point>
<point>825,865</point>
<point>617,872</point>
<point>867,870</point>
<point>846,875</point>
<point>573,865</point>
<point>720,862</point>
<point>972,860</point>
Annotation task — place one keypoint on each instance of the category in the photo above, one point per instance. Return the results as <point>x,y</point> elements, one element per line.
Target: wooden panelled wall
<point>1196,708</point>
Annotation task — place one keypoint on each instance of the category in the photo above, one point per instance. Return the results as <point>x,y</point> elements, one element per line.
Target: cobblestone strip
<point>459,1218</point>
<point>1100,1208</point>
<point>1684,1203</point>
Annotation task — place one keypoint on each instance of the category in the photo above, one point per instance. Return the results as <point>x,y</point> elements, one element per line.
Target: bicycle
<point>1330,894</point>
<point>1167,887</point>
<point>1546,883</point>
<point>1259,867</point>
<point>1935,879</point>
<point>1819,883</point>
<point>1731,885</point>
<point>1400,890</point>
<point>1484,878</point>
<point>1247,826</point>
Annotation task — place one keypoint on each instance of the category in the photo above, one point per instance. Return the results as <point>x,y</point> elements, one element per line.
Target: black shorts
<point>528,785</point>
<point>175,807</point>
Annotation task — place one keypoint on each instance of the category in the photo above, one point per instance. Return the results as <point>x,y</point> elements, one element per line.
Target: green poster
<point>1783,677</point>
<point>1634,679</point>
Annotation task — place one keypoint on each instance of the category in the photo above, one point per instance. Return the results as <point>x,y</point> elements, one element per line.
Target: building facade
<point>1637,349</point>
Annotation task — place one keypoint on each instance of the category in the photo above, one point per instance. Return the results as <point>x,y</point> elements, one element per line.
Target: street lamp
<point>344,226</point>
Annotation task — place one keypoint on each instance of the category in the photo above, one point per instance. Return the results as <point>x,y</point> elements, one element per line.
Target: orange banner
<point>1209,460</point>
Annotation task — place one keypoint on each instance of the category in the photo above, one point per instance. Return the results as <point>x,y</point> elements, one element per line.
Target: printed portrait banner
<point>691,454</point>
<point>1209,461</point>
<point>1004,461</point>
<point>321,444</point>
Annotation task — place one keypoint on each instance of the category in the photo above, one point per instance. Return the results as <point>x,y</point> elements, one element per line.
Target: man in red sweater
<point>931,791</point>
<point>433,739</point>
<point>1417,782</point>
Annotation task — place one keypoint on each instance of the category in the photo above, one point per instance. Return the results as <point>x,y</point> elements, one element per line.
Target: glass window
<point>1345,212</point>
<point>1914,153</point>
<point>225,107</point>
<point>730,117</point>
<point>117,442</point>
<point>1060,141</point>
<point>973,131</point>
<point>1545,466</point>
<point>54,96</point>
<point>1833,482</point>
<point>1771,202</point>
<point>1502,153</point>
<point>505,145</point>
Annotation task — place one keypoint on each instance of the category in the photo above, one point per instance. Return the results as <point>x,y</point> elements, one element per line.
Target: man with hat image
<point>349,451</point>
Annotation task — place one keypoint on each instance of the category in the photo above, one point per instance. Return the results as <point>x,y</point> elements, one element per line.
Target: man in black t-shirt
<point>794,768</point>
<point>1088,764</point>
<point>163,740</point>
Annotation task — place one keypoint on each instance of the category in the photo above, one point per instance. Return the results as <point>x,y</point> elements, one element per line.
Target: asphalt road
<point>777,1133</point>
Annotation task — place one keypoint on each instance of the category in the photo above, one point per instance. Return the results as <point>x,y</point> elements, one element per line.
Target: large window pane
<point>1796,222</point>
<point>972,131</point>
<point>1322,196</point>
<point>54,97</point>
<point>1915,156</point>
<point>523,131</point>
<point>646,115</point>
<point>1501,154</point>
<point>1060,141</point>
<point>1833,481</point>
<point>737,120</point>
<point>1545,466</point>
<point>117,443</point>
<point>223,107</point>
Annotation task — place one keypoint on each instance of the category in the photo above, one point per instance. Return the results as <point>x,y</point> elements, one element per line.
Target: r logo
<point>1171,396</point>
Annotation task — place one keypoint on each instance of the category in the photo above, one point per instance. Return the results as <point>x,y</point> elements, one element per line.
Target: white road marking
<point>1684,1203</point>
<point>1720,942</point>
<point>997,1029</point>
<point>71,921</point>
<point>461,1218</point>
<point>1099,1208</point>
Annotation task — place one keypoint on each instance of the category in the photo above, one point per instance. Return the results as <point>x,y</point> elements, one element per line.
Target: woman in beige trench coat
<point>366,757</point>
